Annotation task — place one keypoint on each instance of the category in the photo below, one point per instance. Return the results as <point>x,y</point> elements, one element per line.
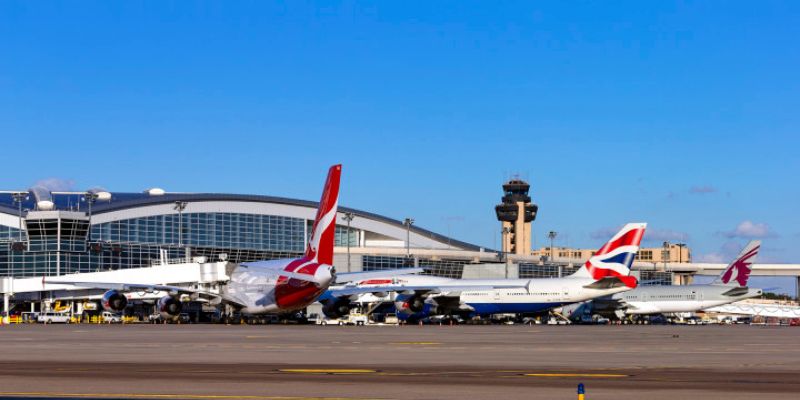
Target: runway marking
<point>175,396</point>
<point>329,371</point>
<point>577,375</point>
<point>416,343</point>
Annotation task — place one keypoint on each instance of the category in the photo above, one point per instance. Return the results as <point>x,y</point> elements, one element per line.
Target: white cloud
<point>750,230</point>
<point>56,184</point>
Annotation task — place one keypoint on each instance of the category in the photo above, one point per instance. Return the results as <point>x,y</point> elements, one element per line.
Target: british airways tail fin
<point>738,272</point>
<point>320,245</point>
<point>613,260</point>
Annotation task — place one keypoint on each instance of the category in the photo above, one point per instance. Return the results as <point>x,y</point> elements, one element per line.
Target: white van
<point>110,318</point>
<point>51,317</point>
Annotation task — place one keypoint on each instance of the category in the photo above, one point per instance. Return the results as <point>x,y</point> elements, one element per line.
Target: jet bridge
<point>201,275</point>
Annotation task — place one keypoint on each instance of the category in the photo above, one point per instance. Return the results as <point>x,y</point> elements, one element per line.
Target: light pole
<point>408,222</point>
<point>552,235</point>
<point>348,216</point>
<point>681,246</point>
<point>665,254</point>
<point>180,206</point>
<point>90,198</point>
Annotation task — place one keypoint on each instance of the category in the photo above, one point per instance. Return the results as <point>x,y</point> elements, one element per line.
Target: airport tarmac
<point>388,362</point>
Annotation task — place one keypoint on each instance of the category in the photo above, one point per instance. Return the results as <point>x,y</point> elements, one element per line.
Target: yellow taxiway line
<point>329,371</point>
<point>577,375</point>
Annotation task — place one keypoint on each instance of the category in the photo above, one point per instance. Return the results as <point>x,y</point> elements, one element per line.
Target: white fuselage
<point>531,295</point>
<point>675,299</point>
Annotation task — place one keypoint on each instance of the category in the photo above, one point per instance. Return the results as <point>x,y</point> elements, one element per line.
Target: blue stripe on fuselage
<point>508,308</point>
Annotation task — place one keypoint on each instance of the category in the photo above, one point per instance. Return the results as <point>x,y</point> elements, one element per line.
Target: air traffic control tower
<point>516,212</point>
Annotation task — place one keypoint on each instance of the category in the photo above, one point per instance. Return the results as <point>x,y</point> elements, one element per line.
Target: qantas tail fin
<point>613,260</point>
<point>320,245</point>
<point>738,272</point>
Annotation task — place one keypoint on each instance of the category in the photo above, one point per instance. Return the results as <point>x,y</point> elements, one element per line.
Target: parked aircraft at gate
<point>605,273</point>
<point>728,287</point>
<point>272,286</point>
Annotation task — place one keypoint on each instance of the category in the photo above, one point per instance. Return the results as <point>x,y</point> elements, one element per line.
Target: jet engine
<point>169,307</point>
<point>411,305</point>
<point>114,301</point>
<point>336,308</point>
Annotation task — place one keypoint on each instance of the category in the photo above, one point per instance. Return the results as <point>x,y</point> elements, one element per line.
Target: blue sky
<point>680,114</point>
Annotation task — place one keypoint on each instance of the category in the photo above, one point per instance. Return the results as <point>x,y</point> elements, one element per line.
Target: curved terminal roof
<point>133,205</point>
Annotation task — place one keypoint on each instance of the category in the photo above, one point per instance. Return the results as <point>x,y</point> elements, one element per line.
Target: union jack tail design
<point>320,245</point>
<point>738,272</point>
<point>614,259</point>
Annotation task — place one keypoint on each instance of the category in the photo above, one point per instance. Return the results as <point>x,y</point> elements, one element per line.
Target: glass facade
<point>54,246</point>
<point>228,230</point>
<point>443,268</point>
<point>650,278</point>
<point>528,271</point>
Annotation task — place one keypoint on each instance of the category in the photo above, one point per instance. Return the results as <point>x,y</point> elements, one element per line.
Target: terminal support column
<point>797,288</point>
<point>5,307</point>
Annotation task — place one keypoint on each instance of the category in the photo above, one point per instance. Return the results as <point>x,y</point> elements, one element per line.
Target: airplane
<point>728,287</point>
<point>606,272</point>
<point>273,286</point>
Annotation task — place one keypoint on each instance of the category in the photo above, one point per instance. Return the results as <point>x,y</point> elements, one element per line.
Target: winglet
<point>320,245</point>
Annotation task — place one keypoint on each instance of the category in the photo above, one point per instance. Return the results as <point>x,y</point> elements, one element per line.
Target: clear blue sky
<point>684,115</point>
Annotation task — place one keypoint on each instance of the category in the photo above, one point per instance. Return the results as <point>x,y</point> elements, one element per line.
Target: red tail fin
<point>320,245</point>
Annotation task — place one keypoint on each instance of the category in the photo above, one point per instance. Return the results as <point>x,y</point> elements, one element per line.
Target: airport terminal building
<point>45,233</point>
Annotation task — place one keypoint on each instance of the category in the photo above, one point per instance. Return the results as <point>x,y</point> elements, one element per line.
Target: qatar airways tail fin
<point>613,261</point>
<point>738,272</point>
<point>320,245</point>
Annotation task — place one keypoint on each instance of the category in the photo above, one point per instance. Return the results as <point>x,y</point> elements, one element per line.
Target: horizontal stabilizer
<point>277,271</point>
<point>610,282</point>
<point>737,291</point>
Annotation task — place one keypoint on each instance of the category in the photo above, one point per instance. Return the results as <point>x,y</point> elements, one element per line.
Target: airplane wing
<point>276,271</point>
<point>342,277</point>
<point>150,288</point>
<point>426,289</point>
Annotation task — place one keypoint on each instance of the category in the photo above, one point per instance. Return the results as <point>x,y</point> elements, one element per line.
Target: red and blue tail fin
<point>614,259</point>
<point>738,272</point>
<point>320,245</point>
